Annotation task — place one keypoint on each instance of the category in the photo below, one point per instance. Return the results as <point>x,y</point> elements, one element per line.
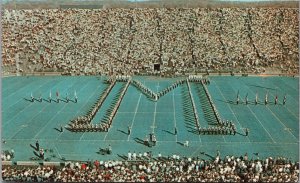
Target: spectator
<point>89,42</point>
<point>229,169</point>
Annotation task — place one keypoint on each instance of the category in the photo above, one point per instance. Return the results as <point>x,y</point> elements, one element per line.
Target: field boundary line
<point>175,123</point>
<point>230,108</point>
<point>272,113</point>
<point>57,112</point>
<point>84,105</point>
<point>20,110</point>
<point>136,109</point>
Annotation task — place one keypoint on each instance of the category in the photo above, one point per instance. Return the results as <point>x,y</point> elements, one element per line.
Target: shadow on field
<point>228,101</point>
<point>208,155</point>
<point>263,87</point>
<point>122,132</point>
<point>33,147</point>
<point>57,129</point>
<point>102,151</point>
<point>36,154</point>
<point>180,143</point>
<point>49,101</point>
<point>123,157</point>
<point>241,134</point>
<point>140,141</point>
<point>169,132</point>
<point>194,131</point>
<point>28,100</point>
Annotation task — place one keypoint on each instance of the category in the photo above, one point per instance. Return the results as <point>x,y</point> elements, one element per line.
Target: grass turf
<point>274,129</point>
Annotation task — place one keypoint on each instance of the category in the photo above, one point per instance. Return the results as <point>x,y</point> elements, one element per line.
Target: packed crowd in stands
<point>161,169</point>
<point>130,41</point>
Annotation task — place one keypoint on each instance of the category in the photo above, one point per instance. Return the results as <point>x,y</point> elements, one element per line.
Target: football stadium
<point>146,91</point>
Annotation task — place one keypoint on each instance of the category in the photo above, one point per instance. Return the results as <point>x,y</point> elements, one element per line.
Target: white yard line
<point>82,108</point>
<point>211,106</point>
<point>273,115</point>
<point>11,86</point>
<point>154,114</point>
<point>57,112</point>
<point>142,112</point>
<point>106,133</point>
<point>57,152</point>
<point>230,108</point>
<point>174,115</point>
<point>135,112</point>
<point>261,124</point>
<point>41,84</point>
<point>289,97</point>
<point>157,89</point>
<point>123,90</point>
<point>198,120</point>
<point>280,120</point>
<point>196,141</point>
<point>26,123</point>
<point>196,150</point>
<point>15,115</point>
<point>297,117</point>
<point>259,120</point>
<point>193,106</point>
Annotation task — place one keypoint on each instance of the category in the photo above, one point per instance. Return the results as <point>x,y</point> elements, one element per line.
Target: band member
<point>284,100</point>
<point>237,98</point>
<point>50,96</point>
<point>266,99</point>
<point>32,98</point>
<point>67,97</point>
<point>246,131</point>
<point>256,98</point>
<point>129,130</point>
<point>57,96</point>
<point>75,95</point>
<point>40,98</point>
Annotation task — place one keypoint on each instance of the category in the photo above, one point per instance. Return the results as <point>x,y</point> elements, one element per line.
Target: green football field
<point>274,129</point>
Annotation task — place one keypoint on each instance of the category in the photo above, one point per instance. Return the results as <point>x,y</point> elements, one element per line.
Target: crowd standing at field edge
<point>173,169</point>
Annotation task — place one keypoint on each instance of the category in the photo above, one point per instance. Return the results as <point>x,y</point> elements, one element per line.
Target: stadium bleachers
<point>131,41</point>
